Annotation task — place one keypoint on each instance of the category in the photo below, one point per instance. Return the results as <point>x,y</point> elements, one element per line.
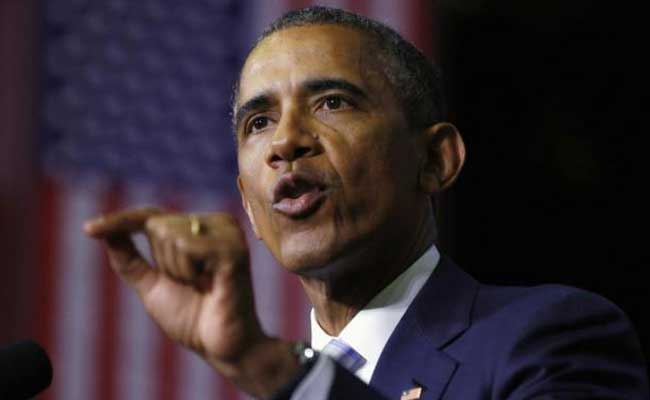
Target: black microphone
<point>25,370</point>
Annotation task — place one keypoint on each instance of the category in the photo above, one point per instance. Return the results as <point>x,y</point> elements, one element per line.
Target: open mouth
<point>298,194</point>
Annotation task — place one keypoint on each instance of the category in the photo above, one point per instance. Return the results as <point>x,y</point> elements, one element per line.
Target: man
<point>340,148</point>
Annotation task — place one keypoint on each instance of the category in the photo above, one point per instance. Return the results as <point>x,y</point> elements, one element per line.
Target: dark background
<point>548,96</point>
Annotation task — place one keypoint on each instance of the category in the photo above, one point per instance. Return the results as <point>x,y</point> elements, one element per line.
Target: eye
<point>334,103</point>
<point>258,123</point>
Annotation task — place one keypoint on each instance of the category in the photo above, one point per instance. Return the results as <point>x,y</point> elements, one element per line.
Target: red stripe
<point>228,391</point>
<point>167,361</point>
<point>359,7</point>
<point>19,48</point>
<point>294,4</point>
<point>420,25</point>
<point>292,308</point>
<point>47,282</point>
<point>108,340</point>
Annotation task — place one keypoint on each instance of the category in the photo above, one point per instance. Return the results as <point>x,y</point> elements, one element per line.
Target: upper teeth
<point>298,189</point>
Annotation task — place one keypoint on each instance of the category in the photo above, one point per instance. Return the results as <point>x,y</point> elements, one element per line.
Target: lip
<point>312,192</point>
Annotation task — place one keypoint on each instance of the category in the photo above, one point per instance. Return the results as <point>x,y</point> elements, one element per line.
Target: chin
<point>322,246</point>
<point>312,255</point>
<point>305,261</point>
<point>306,257</point>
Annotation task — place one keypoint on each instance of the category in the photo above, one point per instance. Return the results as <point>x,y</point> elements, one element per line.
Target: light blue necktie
<point>344,354</point>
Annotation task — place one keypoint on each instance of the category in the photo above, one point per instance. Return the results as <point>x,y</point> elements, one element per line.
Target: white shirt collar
<point>370,328</point>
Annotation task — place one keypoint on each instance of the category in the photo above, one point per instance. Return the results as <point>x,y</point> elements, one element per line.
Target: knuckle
<point>160,226</point>
<point>183,243</point>
<point>152,223</point>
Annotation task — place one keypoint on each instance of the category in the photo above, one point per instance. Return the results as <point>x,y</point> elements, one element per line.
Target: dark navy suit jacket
<point>463,340</point>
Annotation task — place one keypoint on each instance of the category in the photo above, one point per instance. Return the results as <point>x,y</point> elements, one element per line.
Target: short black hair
<point>416,80</point>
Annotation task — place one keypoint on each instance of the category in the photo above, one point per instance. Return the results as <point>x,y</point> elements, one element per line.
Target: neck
<point>338,297</point>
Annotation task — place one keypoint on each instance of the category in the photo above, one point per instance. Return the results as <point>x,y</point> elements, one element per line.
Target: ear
<point>443,159</point>
<point>247,207</point>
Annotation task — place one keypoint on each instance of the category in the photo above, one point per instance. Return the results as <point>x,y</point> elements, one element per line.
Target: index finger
<point>120,222</point>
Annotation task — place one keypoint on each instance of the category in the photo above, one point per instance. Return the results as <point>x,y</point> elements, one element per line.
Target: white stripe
<point>136,357</point>
<point>390,12</point>
<point>196,379</point>
<point>142,196</point>
<point>77,316</point>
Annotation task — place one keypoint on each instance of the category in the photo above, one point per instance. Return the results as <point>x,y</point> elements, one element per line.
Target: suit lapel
<point>410,361</point>
<point>414,355</point>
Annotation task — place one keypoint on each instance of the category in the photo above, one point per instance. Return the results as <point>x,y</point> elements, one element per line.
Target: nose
<point>291,141</point>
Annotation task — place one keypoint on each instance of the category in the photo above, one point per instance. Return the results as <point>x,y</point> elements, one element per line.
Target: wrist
<point>265,367</point>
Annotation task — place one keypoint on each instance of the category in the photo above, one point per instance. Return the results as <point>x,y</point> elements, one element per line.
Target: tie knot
<point>344,354</point>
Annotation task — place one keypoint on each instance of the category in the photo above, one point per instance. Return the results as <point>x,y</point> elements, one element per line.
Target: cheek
<point>366,169</point>
<point>256,187</point>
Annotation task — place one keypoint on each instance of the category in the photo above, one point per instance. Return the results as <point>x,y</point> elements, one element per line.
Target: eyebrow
<point>262,100</point>
<point>265,99</point>
<point>324,84</point>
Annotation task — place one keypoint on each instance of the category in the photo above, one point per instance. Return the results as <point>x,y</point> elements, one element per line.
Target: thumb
<point>127,261</point>
<point>115,231</point>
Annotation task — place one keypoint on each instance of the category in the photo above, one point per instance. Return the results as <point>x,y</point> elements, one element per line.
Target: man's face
<point>327,165</point>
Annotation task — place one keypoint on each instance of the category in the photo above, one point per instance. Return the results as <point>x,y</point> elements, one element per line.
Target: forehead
<point>292,55</point>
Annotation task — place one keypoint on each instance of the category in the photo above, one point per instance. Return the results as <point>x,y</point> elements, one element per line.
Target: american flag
<point>136,112</point>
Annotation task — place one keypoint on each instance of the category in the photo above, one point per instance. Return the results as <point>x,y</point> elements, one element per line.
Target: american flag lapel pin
<point>411,394</point>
